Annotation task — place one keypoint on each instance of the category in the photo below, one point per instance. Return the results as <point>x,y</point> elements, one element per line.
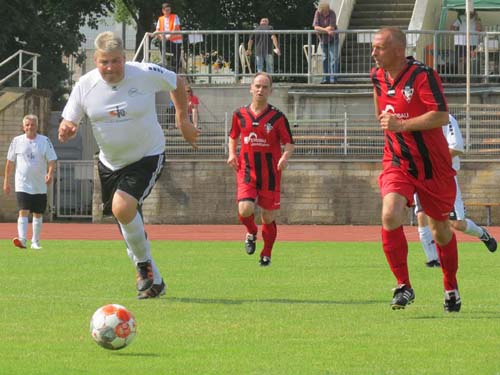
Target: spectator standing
<point>265,45</point>
<point>262,129</point>
<point>119,100</point>
<point>460,38</point>
<point>325,23</point>
<point>193,103</point>
<point>34,159</point>
<point>169,21</point>
<point>457,216</point>
<point>411,109</point>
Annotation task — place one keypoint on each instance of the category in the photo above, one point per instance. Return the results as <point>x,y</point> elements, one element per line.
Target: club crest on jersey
<point>408,93</point>
<point>268,127</point>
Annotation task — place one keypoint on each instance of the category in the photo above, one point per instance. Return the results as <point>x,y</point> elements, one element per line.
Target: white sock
<point>473,229</point>
<point>135,237</point>
<point>156,273</point>
<point>22,227</point>
<point>428,244</point>
<point>37,229</point>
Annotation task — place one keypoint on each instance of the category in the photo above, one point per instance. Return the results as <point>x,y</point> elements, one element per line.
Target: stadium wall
<point>313,192</point>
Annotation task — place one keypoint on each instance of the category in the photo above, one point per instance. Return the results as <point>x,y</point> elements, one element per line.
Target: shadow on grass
<point>469,315</point>
<point>226,301</point>
<point>124,354</point>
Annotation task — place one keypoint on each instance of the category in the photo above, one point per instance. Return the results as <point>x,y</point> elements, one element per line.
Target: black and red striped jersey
<point>261,138</point>
<point>415,91</point>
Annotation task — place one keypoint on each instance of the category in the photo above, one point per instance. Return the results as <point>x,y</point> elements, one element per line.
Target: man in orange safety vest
<point>173,42</point>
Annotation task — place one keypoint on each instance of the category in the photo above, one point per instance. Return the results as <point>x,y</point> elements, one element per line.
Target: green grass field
<point>321,308</point>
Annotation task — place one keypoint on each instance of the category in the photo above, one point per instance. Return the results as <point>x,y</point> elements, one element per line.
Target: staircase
<point>372,15</point>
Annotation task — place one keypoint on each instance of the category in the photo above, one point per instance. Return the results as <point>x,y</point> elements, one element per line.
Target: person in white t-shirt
<point>119,99</point>
<point>457,217</point>
<point>34,158</point>
<point>460,39</point>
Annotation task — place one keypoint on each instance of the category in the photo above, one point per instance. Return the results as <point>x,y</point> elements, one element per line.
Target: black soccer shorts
<point>36,203</point>
<point>136,179</point>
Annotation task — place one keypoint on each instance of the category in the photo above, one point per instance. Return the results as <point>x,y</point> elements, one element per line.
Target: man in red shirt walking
<point>262,129</point>
<point>411,109</point>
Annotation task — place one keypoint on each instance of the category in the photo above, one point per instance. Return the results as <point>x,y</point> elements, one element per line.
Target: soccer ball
<point>113,327</point>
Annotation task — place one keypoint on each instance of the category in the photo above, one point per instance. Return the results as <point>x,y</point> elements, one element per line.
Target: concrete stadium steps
<point>370,15</point>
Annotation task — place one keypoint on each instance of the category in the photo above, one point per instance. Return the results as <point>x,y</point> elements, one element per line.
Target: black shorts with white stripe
<point>136,179</point>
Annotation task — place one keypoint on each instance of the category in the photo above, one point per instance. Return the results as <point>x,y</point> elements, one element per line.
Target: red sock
<point>396,251</point>
<point>448,256</point>
<point>269,232</point>
<point>249,223</point>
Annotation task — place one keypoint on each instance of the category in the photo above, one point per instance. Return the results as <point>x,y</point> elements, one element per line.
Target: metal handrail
<point>298,61</point>
<point>22,68</point>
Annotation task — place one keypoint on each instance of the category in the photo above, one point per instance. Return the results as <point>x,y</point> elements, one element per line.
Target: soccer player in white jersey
<point>119,99</point>
<point>34,159</point>
<point>458,220</point>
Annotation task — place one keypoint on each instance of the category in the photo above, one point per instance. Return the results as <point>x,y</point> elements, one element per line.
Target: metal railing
<point>336,134</point>
<point>73,191</point>
<point>22,71</point>
<point>219,57</point>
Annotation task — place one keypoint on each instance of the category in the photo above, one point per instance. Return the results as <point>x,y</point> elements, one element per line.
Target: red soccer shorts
<point>436,195</point>
<point>268,200</point>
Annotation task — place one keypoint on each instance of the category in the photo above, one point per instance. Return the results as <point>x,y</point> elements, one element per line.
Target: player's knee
<point>443,233</point>
<point>391,219</point>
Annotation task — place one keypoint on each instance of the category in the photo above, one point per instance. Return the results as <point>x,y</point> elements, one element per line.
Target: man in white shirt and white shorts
<point>457,217</point>
<point>119,100</point>
<point>34,159</point>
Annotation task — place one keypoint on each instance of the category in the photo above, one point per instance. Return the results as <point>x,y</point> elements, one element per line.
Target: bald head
<point>394,36</point>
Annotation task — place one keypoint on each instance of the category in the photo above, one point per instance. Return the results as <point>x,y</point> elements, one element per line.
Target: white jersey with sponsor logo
<point>31,157</point>
<point>123,115</point>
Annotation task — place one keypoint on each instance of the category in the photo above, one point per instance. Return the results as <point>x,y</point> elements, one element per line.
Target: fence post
<point>20,79</point>
<point>309,58</point>
<point>236,57</point>
<point>58,187</point>
<point>145,48</point>
<point>345,132</point>
<point>486,60</point>
<point>34,77</point>
<point>226,141</point>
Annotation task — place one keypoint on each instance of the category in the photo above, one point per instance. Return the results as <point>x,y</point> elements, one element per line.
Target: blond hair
<point>107,41</point>
<point>31,117</point>
<point>323,5</point>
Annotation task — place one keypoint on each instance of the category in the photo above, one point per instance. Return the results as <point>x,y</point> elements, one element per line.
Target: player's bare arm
<point>232,159</point>
<point>9,166</point>
<point>180,100</point>
<point>50,172</point>
<point>429,120</point>
<point>67,130</point>
<point>375,104</point>
<point>287,154</point>
<point>454,153</point>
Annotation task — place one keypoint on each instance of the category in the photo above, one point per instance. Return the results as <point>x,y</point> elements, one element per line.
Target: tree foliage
<point>219,14</point>
<point>50,28</point>
<point>243,14</point>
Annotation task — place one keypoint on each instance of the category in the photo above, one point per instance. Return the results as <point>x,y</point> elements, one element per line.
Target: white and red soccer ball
<point>113,326</point>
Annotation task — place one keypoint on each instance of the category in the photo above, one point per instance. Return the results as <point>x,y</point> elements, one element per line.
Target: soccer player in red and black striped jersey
<point>411,108</point>
<point>263,129</point>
